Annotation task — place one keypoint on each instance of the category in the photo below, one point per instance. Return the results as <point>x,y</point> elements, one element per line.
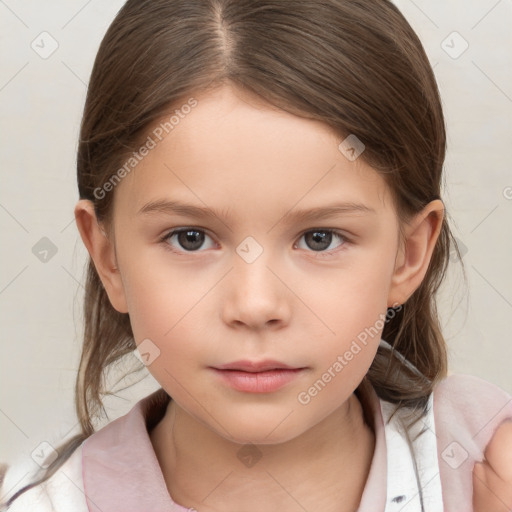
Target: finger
<point>499,451</point>
<point>490,492</point>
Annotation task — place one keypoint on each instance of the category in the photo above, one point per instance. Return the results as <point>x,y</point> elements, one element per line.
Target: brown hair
<point>356,65</point>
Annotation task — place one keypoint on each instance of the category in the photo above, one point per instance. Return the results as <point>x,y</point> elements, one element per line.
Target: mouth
<point>257,376</point>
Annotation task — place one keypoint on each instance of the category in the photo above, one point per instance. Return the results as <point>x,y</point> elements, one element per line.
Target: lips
<point>257,376</point>
<point>255,366</point>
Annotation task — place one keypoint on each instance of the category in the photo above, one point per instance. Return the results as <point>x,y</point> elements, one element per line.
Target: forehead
<point>233,150</point>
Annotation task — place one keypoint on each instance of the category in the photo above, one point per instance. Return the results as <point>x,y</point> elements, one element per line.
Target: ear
<point>413,257</point>
<point>102,252</point>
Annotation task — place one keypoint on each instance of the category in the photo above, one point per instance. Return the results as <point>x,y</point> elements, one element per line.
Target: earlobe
<point>102,252</point>
<point>420,237</point>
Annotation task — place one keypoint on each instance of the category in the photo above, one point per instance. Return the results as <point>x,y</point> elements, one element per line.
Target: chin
<point>261,429</point>
<point>259,437</point>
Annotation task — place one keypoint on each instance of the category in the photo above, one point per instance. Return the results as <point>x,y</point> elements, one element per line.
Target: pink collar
<point>121,471</point>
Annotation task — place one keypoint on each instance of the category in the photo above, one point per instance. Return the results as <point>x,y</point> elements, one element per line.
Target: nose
<point>255,296</point>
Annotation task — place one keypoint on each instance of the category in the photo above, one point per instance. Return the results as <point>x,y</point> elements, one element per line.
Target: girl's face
<point>289,257</point>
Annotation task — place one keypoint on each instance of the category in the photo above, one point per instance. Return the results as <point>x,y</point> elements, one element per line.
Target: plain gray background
<point>41,101</point>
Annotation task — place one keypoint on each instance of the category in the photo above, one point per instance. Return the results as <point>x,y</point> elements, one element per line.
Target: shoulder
<point>63,491</point>
<point>468,412</point>
<point>470,409</point>
<point>474,400</point>
<point>465,384</point>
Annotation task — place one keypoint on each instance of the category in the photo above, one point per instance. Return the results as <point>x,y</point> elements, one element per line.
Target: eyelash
<point>344,240</point>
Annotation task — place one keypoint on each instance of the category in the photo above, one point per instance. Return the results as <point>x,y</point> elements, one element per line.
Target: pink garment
<point>121,471</point>
<point>116,469</point>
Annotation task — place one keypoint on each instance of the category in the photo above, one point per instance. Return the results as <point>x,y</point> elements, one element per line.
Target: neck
<point>325,468</point>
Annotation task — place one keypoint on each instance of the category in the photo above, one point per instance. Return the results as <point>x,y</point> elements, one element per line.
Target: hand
<point>492,478</point>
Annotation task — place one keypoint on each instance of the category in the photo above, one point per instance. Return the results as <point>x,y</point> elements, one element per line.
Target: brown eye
<point>188,239</point>
<point>318,240</point>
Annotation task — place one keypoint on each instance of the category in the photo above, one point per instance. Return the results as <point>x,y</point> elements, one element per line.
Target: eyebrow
<point>168,207</point>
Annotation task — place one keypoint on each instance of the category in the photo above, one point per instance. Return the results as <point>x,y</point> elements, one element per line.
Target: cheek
<point>352,305</point>
<point>168,308</point>
<point>163,322</point>
<point>351,299</point>
<point>158,293</point>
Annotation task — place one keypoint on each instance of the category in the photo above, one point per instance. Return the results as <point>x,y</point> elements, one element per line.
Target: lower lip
<point>258,382</point>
